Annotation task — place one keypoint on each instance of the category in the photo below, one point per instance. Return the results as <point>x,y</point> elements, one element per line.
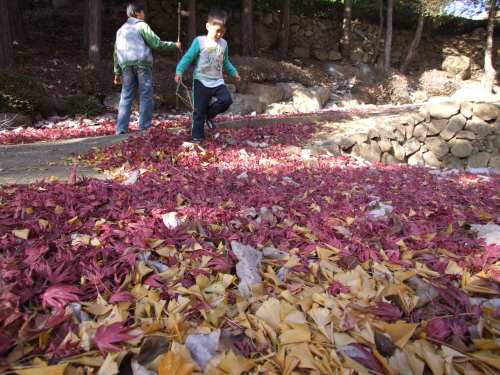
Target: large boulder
<point>416,159</point>
<point>457,65</point>
<point>398,151</point>
<point>335,70</point>
<point>455,124</point>
<point>289,89</point>
<point>453,162</point>
<point>267,94</point>
<point>411,146</point>
<point>436,126</point>
<point>478,127</point>
<point>366,74</point>
<point>319,54</point>
<point>14,120</point>
<point>301,53</point>
<point>462,148</point>
<point>479,160</point>
<point>486,111</point>
<point>263,36</point>
<point>437,146</point>
<point>370,152</point>
<point>311,99</point>
<point>245,104</point>
<point>384,143</point>
<point>431,160</point>
<point>343,141</point>
<point>420,132</point>
<point>334,55</point>
<point>494,163</point>
<point>444,109</point>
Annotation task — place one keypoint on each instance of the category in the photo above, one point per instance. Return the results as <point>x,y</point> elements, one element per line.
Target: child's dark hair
<point>133,7</point>
<point>218,17</point>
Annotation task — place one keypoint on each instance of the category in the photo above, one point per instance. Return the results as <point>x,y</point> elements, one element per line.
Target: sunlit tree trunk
<point>405,64</point>
<point>247,48</point>
<point>284,33</point>
<point>488,54</point>
<point>388,38</point>
<point>345,42</point>
<point>379,34</point>
<point>95,31</point>
<point>191,21</point>
<point>20,35</point>
<point>6,49</point>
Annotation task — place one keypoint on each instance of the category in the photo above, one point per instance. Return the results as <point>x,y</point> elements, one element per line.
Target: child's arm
<point>156,43</point>
<point>187,59</point>
<point>228,67</point>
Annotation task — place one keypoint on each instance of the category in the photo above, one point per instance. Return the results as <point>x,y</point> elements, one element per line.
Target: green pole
<point>178,53</point>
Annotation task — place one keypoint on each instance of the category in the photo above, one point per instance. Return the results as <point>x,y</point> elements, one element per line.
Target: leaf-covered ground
<point>243,258</point>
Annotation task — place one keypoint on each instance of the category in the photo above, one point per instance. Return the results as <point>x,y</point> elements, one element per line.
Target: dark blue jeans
<point>201,100</point>
<point>134,77</point>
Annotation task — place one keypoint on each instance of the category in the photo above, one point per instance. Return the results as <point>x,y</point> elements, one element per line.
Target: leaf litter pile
<point>250,256</point>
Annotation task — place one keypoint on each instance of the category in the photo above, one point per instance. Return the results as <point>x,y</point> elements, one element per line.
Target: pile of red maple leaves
<point>96,280</point>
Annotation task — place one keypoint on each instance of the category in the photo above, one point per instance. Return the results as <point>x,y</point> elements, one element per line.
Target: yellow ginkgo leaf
<point>235,364</point>
<point>21,233</point>
<point>75,221</point>
<point>45,370</point>
<point>174,364</point>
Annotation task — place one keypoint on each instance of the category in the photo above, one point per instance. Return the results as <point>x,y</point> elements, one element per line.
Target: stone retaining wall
<point>448,134</point>
<point>320,38</point>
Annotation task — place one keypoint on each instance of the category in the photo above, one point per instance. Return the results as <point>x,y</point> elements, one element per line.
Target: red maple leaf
<point>106,337</point>
<point>386,312</point>
<point>59,295</point>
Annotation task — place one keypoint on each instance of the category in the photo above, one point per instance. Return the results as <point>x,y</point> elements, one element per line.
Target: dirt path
<point>26,164</point>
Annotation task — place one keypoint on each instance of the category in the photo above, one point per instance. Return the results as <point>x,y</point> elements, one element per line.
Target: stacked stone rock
<point>448,134</point>
<point>320,38</point>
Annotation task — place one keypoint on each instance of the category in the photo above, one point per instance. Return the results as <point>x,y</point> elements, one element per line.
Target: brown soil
<point>56,57</point>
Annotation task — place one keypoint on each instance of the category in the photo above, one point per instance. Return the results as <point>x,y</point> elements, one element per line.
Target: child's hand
<point>118,80</point>
<point>237,77</point>
<point>178,44</point>
<point>178,78</point>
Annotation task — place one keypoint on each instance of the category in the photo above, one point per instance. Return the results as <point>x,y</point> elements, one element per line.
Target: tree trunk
<point>6,48</point>
<point>20,34</point>
<point>388,38</point>
<point>405,64</point>
<point>86,5</point>
<point>191,21</point>
<point>247,48</point>
<point>94,31</point>
<point>284,33</point>
<point>379,34</point>
<point>345,42</point>
<point>488,54</point>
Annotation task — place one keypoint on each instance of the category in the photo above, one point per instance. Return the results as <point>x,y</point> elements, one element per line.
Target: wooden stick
<point>178,52</point>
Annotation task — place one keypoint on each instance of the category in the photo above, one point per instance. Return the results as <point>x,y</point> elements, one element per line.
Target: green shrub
<point>83,104</point>
<point>20,93</point>
<point>97,79</point>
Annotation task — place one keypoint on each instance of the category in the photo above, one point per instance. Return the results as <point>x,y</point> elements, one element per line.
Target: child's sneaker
<point>198,141</point>
<point>210,123</point>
